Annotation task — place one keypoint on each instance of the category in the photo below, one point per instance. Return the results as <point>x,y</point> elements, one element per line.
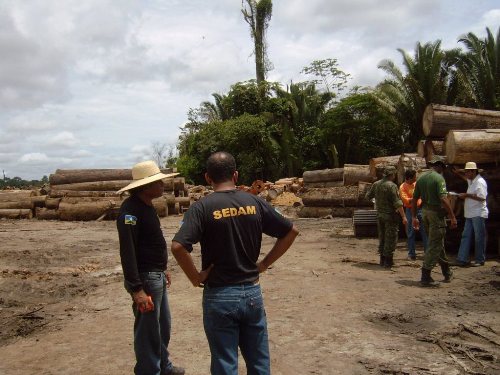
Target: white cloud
<point>91,84</point>
<point>34,158</point>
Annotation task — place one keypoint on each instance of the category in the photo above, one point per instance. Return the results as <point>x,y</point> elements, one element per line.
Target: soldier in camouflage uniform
<point>389,204</point>
<point>431,188</point>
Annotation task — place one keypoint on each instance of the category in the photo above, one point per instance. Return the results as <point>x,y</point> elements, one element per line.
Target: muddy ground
<point>331,308</point>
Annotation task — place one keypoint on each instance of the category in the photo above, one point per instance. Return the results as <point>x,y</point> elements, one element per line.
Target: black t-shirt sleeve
<point>191,229</point>
<point>127,234</point>
<point>274,224</point>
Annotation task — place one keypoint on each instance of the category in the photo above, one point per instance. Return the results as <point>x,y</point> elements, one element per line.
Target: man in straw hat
<point>143,253</point>
<point>229,224</point>
<point>475,213</point>
<point>389,205</point>
<point>431,188</point>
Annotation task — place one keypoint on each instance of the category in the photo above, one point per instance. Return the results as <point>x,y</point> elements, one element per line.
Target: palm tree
<point>479,69</point>
<point>257,15</point>
<point>427,80</point>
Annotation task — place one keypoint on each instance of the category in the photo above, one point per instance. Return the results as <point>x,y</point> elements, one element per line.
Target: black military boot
<point>426,279</point>
<point>382,260</point>
<point>388,262</point>
<point>447,272</point>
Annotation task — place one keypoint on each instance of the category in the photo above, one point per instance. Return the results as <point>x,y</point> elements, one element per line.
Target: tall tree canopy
<point>258,13</point>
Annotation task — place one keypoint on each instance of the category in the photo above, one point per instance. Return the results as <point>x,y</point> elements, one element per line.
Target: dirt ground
<point>331,309</point>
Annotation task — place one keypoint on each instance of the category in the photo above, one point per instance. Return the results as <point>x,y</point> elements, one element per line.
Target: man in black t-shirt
<point>229,224</point>
<point>143,253</point>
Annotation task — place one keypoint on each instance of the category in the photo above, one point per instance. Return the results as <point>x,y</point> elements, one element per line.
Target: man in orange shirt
<point>406,193</point>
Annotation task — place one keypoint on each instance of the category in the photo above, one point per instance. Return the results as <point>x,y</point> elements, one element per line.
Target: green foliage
<point>334,79</point>
<point>427,80</point>
<point>479,70</point>
<point>360,129</point>
<point>19,183</point>
<point>246,137</point>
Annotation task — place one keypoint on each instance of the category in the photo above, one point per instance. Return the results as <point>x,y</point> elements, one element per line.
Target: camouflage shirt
<point>386,196</point>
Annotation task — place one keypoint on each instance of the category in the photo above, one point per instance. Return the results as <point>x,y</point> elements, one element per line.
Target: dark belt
<point>212,285</point>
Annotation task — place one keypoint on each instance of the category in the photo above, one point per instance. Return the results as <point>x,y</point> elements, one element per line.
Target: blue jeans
<point>410,232</point>
<point>152,329</point>
<point>234,316</point>
<point>475,226</point>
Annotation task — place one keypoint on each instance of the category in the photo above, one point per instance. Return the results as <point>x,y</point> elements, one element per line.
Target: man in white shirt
<point>475,213</point>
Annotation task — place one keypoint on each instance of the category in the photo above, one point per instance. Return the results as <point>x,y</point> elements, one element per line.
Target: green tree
<point>258,13</point>
<point>333,79</point>
<point>479,70</point>
<point>428,79</point>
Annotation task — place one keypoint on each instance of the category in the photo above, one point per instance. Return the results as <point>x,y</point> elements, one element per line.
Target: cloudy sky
<point>93,83</point>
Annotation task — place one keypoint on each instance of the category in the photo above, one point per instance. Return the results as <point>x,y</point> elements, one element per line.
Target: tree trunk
<point>77,200</point>
<point>15,213</point>
<point>160,205</point>
<point>433,147</point>
<point>480,146</point>
<point>326,184</point>
<point>174,184</point>
<point>377,165</point>
<point>20,203</point>
<point>354,173</point>
<point>421,148</point>
<point>439,119</point>
<point>94,186</point>
<point>84,211</point>
<point>52,203</point>
<point>83,193</point>
<point>274,192</point>
<point>71,176</point>
<point>324,175</point>
<point>15,195</point>
<point>341,196</point>
<point>38,200</point>
<point>42,213</point>
<point>409,161</point>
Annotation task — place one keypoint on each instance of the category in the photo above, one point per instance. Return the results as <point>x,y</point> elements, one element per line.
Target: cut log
<point>183,201</point>
<point>326,184</point>
<point>38,200</point>
<point>83,211</point>
<point>42,213</point>
<point>354,173</point>
<point>274,192</point>
<point>433,147</point>
<point>324,175</point>
<point>480,146</point>
<point>94,186</point>
<point>421,148</point>
<point>377,165</point>
<point>341,196</point>
<point>52,203</point>
<point>71,176</point>
<point>84,193</point>
<point>14,213</point>
<point>74,200</point>
<point>174,184</point>
<point>409,161</point>
<point>363,188</point>
<point>25,202</point>
<point>438,120</point>
<point>14,195</point>
<point>160,205</point>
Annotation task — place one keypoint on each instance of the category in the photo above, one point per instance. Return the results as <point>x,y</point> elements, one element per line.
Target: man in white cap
<point>475,213</point>
<point>143,253</point>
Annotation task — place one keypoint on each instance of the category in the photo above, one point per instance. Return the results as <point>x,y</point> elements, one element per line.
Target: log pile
<point>19,204</point>
<point>335,192</point>
<point>463,135</point>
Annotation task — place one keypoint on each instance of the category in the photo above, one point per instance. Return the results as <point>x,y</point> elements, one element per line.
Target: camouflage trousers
<point>435,227</point>
<point>387,226</point>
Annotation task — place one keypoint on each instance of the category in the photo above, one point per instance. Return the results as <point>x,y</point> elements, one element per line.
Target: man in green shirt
<point>389,204</point>
<point>431,188</point>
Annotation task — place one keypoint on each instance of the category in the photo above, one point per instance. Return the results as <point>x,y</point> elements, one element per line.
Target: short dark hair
<point>221,166</point>
<point>410,173</point>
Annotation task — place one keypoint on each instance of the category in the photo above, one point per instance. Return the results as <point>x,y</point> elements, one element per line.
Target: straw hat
<point>144,173</point>
<point>470,165</point>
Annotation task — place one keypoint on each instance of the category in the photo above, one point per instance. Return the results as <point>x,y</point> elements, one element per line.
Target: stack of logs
<point>462,135</point>
<point>87,194</point>
<point>336,192</point>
